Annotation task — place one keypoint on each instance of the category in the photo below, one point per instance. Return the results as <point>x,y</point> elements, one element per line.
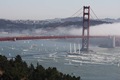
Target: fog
<point>104,29</point>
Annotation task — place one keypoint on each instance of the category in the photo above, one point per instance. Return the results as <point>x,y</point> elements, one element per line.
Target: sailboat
<point>75,52</point>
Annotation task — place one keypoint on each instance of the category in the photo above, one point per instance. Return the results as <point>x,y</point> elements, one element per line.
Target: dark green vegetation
<point>16,69</point>
<point>19,25</point>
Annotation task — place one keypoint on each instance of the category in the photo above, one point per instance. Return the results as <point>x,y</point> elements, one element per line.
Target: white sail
<point>74,48</point>
<point>70,48</point>
<point>113,41</point>
<point>79,48</point>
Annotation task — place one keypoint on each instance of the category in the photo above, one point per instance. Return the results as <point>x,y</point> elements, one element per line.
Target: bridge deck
<point>14,38</point>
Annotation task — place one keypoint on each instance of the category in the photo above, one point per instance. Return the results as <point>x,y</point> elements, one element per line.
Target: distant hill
<point>111,20</point>
<point>19,25</point>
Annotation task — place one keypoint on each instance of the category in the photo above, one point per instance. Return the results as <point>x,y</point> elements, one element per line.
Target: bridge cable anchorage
<point>95,14</point>
<point>77,12</point>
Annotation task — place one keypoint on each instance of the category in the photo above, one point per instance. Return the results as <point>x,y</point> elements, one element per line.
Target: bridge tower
<point>85,31</point>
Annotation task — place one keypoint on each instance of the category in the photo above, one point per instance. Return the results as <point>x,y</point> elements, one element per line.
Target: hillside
<point>17,69</point>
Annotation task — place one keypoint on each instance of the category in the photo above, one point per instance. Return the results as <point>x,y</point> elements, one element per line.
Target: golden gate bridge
<point>85,33</point>
<point>15,38</point>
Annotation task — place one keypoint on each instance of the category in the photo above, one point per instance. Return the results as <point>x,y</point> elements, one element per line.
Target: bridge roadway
<point>14,38</point>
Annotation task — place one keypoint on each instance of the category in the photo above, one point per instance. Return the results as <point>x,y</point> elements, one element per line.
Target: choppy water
<point>102,65</point>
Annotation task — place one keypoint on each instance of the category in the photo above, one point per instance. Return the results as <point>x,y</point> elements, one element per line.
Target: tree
<point>19,70</point>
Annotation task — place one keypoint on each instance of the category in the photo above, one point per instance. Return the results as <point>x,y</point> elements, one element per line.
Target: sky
<point>50,9</point>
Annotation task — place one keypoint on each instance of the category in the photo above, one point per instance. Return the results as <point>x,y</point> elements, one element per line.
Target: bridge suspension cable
<point>91,16</point>
<point>94,14</point>
<point>79,14</point>
<point>80,10</point>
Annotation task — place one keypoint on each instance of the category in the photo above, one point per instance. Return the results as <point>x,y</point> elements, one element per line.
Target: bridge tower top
<point>85,30</point>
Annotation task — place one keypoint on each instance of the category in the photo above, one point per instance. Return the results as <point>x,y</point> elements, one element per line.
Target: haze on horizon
<point>49,9</point>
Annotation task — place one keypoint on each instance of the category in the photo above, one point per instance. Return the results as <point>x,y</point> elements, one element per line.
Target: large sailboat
<point>76,51</point>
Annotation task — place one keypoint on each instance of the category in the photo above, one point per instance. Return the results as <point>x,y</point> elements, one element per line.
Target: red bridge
<point>45,37</point>
<point>85,34</point>
<point>116,39</point>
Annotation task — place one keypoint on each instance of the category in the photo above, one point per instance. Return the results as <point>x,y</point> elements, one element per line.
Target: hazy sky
<point>48,9</point>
